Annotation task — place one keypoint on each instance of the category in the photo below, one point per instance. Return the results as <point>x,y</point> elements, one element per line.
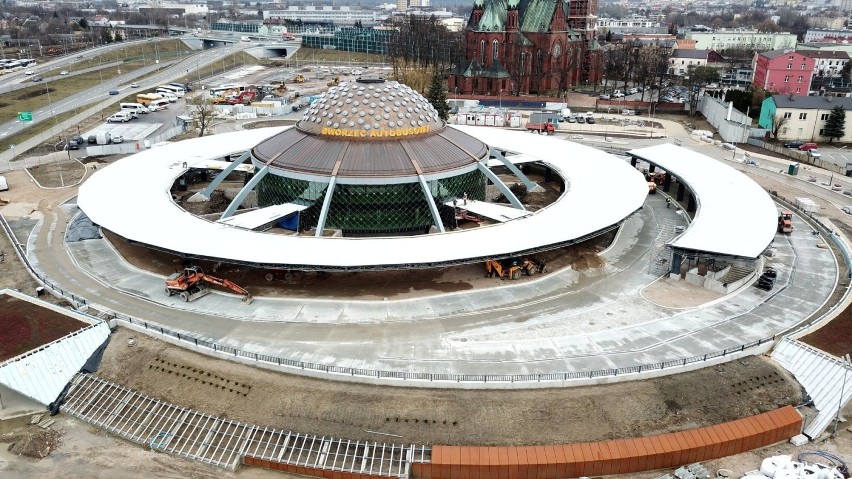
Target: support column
<point>229,211</point>
<point>651,168</point>
<point>680,190</point>
<point>690,204</point>
<point>513,200</point>
<point>436,216</point>
<point>677,258</point>
<point>325,204</point>
<point>224,174</point>
<point>667,182</point>
<point>531,186</point>
<point>633,161</point>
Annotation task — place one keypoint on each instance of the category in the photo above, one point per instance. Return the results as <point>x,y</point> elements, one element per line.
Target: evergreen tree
<point>437,96</point>
<point>608,37</point>
<point>835,125</point>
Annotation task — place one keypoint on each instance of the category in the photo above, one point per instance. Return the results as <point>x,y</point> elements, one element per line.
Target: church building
<point>528,47</point>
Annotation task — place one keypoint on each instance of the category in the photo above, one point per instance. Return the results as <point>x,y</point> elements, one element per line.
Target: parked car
<point>581,119</point>
<point>794,144</point>
<point>113,92</point>
<point>632,91</point>
<point>63,72</point>
<point>605,96</point>
<point>571,119</point>
<point>618,94</point>
<point>808,146</point>
<point>590,120</point>
<point>814,153</point>
<point>117,139</point>
<point>93,139</point>
<point>122,116</point>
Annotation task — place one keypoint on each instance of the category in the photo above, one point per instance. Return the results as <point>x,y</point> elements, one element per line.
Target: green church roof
<point>534,15</point>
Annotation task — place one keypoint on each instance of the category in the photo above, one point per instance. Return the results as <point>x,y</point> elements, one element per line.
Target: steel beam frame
<point>241,196</point>
<point>224,174</point>
<point>531,185</point>
<point>501,186</point>
<point>436,216</point>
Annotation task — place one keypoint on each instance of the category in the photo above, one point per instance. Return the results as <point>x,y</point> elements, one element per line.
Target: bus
<point>177,91</point>
<point>147,98</point>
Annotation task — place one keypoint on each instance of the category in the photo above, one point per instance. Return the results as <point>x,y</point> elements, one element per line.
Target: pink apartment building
<point>783,71</point>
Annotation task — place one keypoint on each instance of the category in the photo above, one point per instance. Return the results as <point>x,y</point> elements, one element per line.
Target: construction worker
<point>668,202</point>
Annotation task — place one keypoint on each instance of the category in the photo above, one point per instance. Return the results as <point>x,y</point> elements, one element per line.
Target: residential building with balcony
<point>783,71</point>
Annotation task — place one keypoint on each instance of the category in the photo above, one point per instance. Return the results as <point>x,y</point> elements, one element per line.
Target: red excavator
<point>192,284</point>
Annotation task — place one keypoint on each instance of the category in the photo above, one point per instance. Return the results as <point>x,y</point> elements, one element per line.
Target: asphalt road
<point>167,72</point>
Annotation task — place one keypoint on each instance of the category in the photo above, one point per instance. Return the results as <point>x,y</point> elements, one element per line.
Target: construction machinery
<point>785,222</point>
<point>244,98</point>
<point>334,81</point>
<point>193,283</point>
<point>513,268</point>
<point>299,78</point>
<point>652,188</point>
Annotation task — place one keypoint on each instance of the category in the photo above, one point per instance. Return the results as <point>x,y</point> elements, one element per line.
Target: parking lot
<point>839,156</point>
<point>146,125</point>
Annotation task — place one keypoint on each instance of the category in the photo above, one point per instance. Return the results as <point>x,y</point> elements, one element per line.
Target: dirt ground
<point>429,416</point>
<point>58,174</point>
<point>678,294</point>
<point>25,326</point>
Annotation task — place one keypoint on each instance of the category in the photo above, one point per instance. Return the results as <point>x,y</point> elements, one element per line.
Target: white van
<point>137,107</point>
<point>158,105</point>
<point>3,184</point>
<point>123,116</point>
<point>168,95</point>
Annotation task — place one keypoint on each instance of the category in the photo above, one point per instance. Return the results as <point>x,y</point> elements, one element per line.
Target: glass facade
<point>363,40</point>
<point>372,210</point>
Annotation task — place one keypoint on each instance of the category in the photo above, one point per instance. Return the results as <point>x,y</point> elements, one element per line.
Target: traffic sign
<point>25,116</point>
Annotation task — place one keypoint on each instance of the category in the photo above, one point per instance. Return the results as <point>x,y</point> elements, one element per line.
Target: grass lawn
<point>10,108</point>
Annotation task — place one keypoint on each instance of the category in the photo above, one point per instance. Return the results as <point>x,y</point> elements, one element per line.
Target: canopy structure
<point>256,218</point>
<point>494,211</point>
<point>735,216</point>
<point>132,198</point>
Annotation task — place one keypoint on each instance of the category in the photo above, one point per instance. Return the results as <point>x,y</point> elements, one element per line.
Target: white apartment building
<point>632,22</point>
<point>820,34</point>
<point>748,39</point>
<point>338,15</point>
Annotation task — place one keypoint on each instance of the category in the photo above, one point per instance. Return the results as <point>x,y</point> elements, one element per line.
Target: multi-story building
<point>531,46</point>
<point>682,59</point>
<point>821,35</point>
<point>326,14</point>
<point>742,39</point>
<point>827,63</point>
<point>802,117</point>
<point>625,23</point>
<point>783,71</point>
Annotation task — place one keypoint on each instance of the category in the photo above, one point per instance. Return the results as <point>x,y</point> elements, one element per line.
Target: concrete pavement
<point>565,322</point>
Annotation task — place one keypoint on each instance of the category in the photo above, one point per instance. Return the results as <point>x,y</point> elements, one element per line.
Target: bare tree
<point>204,114</point>
<point>778,122</point>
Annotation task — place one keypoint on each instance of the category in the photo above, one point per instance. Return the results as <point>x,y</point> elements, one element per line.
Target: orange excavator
<point>193,283</point>
<point>513,268</point>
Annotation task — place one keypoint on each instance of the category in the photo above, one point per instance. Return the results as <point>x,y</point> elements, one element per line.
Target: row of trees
<point>420,47</point>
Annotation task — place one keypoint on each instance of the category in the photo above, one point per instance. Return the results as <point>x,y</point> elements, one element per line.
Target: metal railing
<point>372,374</point>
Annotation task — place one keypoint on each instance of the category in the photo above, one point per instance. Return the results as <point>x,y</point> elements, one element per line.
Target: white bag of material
<point>771,465</point>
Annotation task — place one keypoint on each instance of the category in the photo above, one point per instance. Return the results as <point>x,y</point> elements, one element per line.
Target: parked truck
<point>548,127</point>
<point>147,98</point>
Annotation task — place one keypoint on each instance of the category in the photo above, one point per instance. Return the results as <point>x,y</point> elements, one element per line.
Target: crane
<point>192,284</point>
